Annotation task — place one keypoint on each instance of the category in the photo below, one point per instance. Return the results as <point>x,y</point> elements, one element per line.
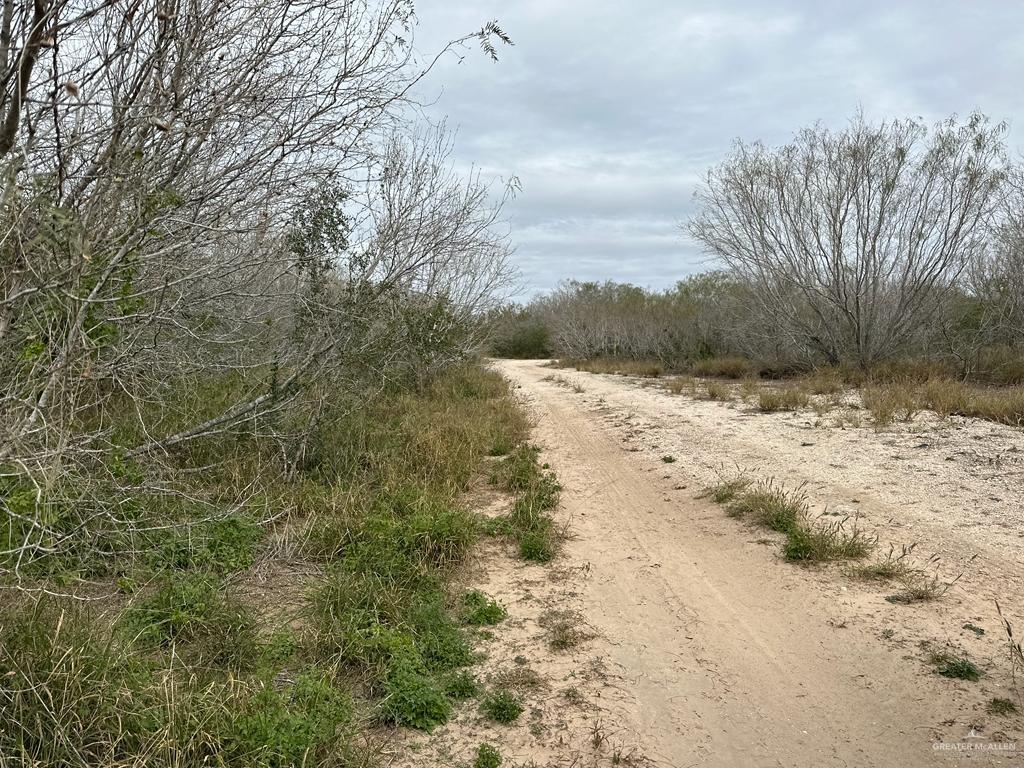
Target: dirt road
<point>724,654</point>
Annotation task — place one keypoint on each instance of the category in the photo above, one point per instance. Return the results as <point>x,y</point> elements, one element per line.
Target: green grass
<point>536,493</point>
<point>207,651</point>
<point>725,490</point>
<point>770,505</point>
<point>820,540</point>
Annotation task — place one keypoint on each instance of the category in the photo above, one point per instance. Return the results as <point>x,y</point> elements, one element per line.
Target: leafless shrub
<point>790,222</point>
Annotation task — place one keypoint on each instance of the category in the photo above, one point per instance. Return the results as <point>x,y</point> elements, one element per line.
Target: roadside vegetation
<point>181,657</point>
<point>239,301</point>
<point>808,538</point>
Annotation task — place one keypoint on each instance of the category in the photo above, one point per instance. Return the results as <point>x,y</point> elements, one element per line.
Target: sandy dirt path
<point>723,654</point>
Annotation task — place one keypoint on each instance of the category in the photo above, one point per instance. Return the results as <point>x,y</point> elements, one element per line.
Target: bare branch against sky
<point>610,113</point>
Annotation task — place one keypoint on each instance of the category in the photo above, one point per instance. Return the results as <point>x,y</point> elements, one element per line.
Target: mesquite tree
<point>851,240</point>
<point>199,192</point>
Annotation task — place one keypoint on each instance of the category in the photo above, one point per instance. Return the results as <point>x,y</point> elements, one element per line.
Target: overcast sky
<point>611,112</point>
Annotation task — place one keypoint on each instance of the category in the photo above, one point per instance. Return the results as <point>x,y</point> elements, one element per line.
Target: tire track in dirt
<point>726,656</point>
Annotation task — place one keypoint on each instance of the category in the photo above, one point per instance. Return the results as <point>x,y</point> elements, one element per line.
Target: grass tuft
<point>770,506</point>
<point>771,399</point>
<point>725,490</point>
<point>1001,707</point>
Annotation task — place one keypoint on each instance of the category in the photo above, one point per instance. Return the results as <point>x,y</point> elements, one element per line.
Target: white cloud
<point>610,113</point>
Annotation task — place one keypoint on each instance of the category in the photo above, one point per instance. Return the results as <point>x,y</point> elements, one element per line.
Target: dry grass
<point>678,385</point>
<point>561,381</point>
<point>772,399</point>
<point>727,367</point>
<point>890,402</point>
<point>823,381</point>
<point>622,367</point>
<point>749,388</point>
<point>901,401</point>
<point>718,390</point>
<point>564,629</point>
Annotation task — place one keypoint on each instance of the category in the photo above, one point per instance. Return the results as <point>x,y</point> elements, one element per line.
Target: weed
<point>479,610</point>
<point>412,698</point>
<point>1001,707</point>
<point>1013,644</point>
<point>502,706</point>
<point>959,668</point>
<point>669,459</point>
<point>573,695</point>
<point>487,757</point>
<point>563,629</point>
<point>893,566</point>
<point>461,686</point>
<point>597,734</point>
<point>918,586</point>
<point>281,728</point>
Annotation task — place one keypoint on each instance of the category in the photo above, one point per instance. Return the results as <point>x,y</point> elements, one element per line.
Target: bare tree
<point>201,190</point>
<point>851,240</point>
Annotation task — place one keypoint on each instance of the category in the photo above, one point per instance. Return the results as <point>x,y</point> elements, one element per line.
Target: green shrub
<point>413,699</point>
<point>289,727</point>
<point>479,610</point>
<point>487,757</point>
<point>502,706</point>
<point>461,686</point>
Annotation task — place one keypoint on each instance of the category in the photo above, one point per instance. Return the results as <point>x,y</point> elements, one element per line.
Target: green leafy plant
<point>502,706</point>
<point>487,757</point>
<point>480,610</point>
